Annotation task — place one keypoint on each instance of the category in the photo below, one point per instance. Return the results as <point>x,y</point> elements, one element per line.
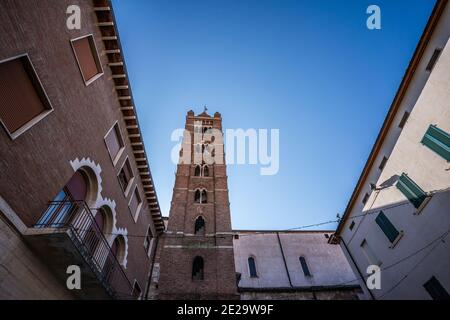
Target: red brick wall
<point>179,247</point>
<point>35,166</point>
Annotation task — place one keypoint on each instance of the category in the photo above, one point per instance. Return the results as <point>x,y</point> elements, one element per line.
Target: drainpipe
<point>149,281</point>
<point>284,259</point>
<point>357,268</point>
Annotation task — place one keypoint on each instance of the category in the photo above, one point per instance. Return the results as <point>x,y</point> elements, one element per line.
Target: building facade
<point>74,175</point>
<point>398,215</point>
<point>196,258</point>
<point>199,256</point>
<point>292,265</point>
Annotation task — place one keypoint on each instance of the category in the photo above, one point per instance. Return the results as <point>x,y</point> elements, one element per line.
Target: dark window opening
<point>436,290</point>
<point>199,226</point>
<point>197,171</point>
<point>203,197</point>
<point>305,268</point>
<point>197,269</point>
<point>403,120</point>
<point>252,267</point>
<point>366,197</point>
<point>383,163</point>
<point>148,240</point>
<point>125,175</point>
<point>205,171</point>
<point>352,225</point>
<point>197,196</point>
<point>137,292</point>
<point>434,58</point>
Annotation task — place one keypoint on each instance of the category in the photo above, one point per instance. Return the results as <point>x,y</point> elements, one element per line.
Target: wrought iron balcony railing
<point>76,218</point>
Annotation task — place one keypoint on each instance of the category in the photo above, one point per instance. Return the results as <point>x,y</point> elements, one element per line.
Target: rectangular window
<point>383,163</point>
<point>125,176</point>
<point>305,267</point>
<point>114,143</point>
<point>403,120</point>
<point>411,190</point>
<point>87,58</point>
<point>366,197</point>
<point>434,58</point>
<point>437,140</point>
<point>148,241</point>
<point>352,225</point>
<point>23,101</point>
<point>387,227</point>
<point>135,204</point>
<point>436,290</point>
<point>368,252</point>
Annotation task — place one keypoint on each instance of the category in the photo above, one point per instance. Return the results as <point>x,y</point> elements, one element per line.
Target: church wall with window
<point>292,265</point>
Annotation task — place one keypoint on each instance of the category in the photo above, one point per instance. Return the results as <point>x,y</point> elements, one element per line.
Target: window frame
<point>96,57</point>
<point>121,142</point>
<point>126,192</point>
<point>34,77</point>
<point>135,215</point>
<point>150,242</point>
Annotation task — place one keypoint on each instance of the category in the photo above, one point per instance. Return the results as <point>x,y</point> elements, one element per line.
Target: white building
<point>399,213</point>
<point>292,265</point>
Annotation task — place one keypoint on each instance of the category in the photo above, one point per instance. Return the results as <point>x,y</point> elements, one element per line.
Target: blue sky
<point>308,68</point>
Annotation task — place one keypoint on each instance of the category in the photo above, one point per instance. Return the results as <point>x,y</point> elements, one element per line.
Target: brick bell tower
<point>196,252</point>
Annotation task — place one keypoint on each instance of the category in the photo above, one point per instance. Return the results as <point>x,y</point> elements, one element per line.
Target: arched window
<point>252,267</point>
<point>197,269</point>
<point>116,253</point>
<point>203,197</point>
<point>197,171</point>
<point>197,196</point>
<point>305,268</point>
<point>200,226</point>
<point>95,231</point>
<point>205,171</point>
<point>200,196</point>
<point>64,206</point>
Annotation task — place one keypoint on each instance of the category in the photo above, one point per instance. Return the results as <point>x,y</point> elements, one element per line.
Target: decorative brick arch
<point>96,200</point>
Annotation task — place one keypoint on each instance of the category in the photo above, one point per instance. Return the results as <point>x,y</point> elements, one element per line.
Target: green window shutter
<point>437,140</point>
<point>387,227</point>
<point>411,190</point>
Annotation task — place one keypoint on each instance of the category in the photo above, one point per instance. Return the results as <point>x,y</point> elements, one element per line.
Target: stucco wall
<point>326,262</point>
<point>427,99</point>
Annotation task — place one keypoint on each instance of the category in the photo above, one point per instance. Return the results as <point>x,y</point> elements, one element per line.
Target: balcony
<point>68,234</point>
